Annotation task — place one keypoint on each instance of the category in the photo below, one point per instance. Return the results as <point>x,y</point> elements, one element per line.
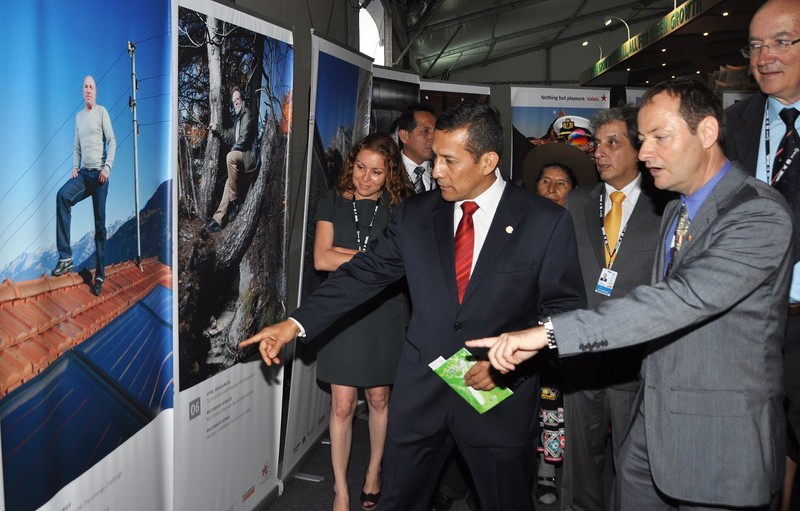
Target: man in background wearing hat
<point>616,225</point>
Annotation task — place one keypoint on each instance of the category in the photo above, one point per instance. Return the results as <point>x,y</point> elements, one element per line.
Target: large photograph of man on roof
<point>85,250</point>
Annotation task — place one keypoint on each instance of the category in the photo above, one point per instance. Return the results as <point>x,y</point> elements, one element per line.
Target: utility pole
<point>132,105</point>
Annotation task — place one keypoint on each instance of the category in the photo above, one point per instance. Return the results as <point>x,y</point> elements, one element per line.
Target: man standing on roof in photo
<point>92,157</point>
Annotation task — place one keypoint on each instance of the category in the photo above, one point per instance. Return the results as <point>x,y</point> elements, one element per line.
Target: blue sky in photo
<point>336,95</point>
<point>55,45</point>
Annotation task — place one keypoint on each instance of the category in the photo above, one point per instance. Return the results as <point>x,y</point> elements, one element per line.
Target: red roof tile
<point>42,318</point>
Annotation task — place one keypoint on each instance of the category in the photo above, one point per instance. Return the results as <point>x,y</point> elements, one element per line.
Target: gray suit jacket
<point>712,377</point>
<point>634,264</point>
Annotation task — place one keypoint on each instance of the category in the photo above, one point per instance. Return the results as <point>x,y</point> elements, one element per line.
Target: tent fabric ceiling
<point>438,37</point>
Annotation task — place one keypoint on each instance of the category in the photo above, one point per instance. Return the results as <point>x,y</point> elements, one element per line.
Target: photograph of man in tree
<point>239,159</point>
<point>234,115</point>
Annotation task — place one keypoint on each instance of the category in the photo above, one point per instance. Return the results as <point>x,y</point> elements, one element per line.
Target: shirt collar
<point>695,200</point>
<point>631,190</point>
<point>775,108</point>
<point>490,198</point>
<point>410,165</point>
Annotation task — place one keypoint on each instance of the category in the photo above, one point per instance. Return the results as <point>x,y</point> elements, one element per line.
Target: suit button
<point>458,326</point>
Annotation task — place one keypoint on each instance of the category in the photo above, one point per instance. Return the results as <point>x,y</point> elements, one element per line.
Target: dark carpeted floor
<point>303,495</point>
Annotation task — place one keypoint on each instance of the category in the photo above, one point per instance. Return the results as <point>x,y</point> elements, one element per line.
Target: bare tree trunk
<point>208,178</point>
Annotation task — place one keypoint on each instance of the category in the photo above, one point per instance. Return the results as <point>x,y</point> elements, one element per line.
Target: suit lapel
<point>716,200</point>
<point>592,215</point>
<point>635,228</point>
<point>666,223</point>
<point>501,231</point>
<point>443,227</point>
<point>748,132</point>
<point>710,209</point>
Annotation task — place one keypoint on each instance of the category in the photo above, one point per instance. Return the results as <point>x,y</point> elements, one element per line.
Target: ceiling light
<point>725,13</point>
<point>586,43</point>
<point>608,22</point>
<point>705,34</point>
<point>663,50</point>
<point>663,64</point>
<point>628,69</point>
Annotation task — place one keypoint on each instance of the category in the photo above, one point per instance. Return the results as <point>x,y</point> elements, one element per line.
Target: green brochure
<point>453,370</point>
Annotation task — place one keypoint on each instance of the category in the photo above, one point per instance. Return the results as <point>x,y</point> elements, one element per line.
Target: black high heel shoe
<point>369,501</point>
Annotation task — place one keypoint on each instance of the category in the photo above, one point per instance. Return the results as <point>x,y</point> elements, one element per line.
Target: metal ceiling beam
<point>442,25</point>
<point>522,33</point>
<point>485,13</point>
<point>425,75</point>
<point>542,46</point>
<point>414,38</point>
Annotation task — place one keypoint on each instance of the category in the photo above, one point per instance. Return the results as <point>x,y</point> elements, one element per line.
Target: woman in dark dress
<point>366,347</point>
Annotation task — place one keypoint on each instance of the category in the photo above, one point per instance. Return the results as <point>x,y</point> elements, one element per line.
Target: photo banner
<point>443,95</point>
<point>542,115</point>
<point>86,356</point>
<point>392,92</point>
<point>341,85</point>
<point>234,104</point>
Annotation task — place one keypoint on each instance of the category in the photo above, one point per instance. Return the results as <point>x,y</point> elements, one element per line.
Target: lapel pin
<point>509,229</point>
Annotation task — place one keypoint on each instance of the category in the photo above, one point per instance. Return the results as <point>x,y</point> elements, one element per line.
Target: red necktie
<point>465,245</point>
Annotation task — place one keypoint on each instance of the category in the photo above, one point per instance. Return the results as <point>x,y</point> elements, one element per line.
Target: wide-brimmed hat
<point>565,154</point>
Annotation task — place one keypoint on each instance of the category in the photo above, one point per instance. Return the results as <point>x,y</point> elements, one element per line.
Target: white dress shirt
<point>482,218</point>
<point>427,177</point>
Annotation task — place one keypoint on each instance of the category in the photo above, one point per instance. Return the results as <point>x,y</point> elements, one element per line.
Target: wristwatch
<point>551,335</point>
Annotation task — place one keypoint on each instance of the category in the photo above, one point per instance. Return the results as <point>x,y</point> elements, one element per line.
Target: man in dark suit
<point>523,263</point>
<point>709,427</point>
<point>600,390</point>
<point>415,129</point>
<point>775,62</point>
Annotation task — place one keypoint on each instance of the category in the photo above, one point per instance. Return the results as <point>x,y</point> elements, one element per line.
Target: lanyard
<point>611,253</point>
<point>363,247</point>
<point>786,162</point>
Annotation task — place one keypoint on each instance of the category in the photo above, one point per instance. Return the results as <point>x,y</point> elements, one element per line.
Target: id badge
<point>605,284</point>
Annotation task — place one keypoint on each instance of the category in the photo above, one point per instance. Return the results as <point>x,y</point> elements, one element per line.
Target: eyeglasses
<point>780,46</point>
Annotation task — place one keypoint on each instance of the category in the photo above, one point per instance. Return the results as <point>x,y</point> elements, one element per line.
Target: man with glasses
<point>759,138</point>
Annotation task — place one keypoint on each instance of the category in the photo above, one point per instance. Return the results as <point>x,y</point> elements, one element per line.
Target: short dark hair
<point>236,88</point>
<point>483,125</point>
<point>697,102</point>
<point>408,120</point>
<point>624,113</point>
<point>567,170</point>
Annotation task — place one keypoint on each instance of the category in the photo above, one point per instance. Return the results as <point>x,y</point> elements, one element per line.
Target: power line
<point>30,216</point>
<point>22,210</point>
<point>69,117</point>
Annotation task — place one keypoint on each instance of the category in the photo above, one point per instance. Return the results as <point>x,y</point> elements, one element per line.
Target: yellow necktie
<point>611,223</point>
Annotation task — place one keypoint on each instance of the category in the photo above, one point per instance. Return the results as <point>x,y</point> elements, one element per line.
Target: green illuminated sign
<point>673,21</point>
